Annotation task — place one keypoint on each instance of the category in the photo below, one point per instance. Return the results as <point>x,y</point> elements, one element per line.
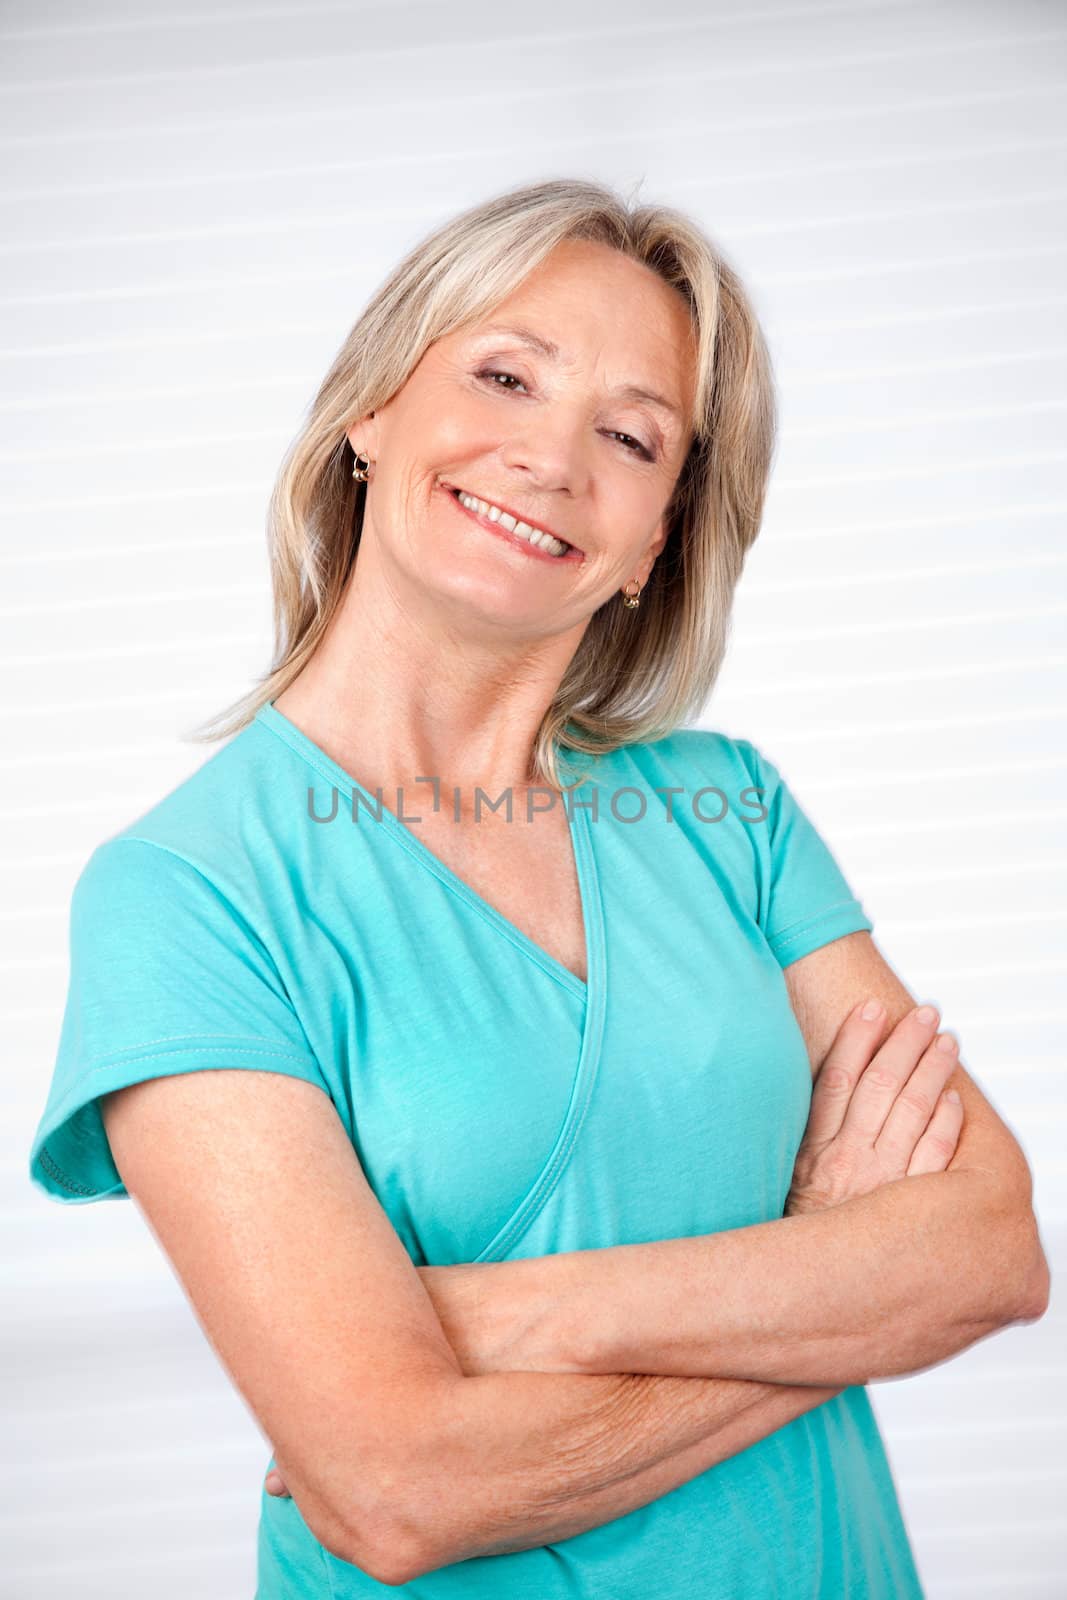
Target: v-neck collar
<point>581,843</point>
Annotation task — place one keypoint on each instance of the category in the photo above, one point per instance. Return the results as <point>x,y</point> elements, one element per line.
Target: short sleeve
<point>804,898</point>
<point>166,976</point>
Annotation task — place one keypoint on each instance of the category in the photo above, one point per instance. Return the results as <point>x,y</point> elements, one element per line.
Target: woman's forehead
<point>651,356</point>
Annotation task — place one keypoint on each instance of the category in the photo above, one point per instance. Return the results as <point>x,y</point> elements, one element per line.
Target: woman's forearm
<point>878,1286</point>
<point>525,1459</point>
<point>884,1284</point>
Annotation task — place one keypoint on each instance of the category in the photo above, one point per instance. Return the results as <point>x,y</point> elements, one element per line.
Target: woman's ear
<point>363,436</point>
<point>649,558</point>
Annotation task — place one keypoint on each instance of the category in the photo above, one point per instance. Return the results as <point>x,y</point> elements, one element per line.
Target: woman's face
<point>556,438</point>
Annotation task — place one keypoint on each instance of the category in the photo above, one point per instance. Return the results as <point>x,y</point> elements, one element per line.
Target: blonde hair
<point>636,675</point>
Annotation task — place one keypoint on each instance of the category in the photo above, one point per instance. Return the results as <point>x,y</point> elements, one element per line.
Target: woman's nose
<point>553,458</point>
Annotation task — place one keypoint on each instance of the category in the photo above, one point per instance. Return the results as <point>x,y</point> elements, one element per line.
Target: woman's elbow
<point>1019,1280</point>
<point>404,1544</point>
<point>381,1552</point>
<point>382,1542</point>
<point>1023,1277</point>
<point>1032,1278</point>
<point>388,1560</point>
<point>1034,1299</point>
<point>403,1518</point>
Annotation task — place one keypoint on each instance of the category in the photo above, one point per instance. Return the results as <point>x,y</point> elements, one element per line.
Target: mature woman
<point>508,1201</point>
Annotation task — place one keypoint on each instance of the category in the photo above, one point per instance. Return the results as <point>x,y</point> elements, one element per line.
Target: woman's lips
<point>572,554</point>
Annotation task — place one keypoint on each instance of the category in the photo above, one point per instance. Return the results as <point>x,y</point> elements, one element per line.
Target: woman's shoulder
<point>204,824</point>
<point>694,755</point>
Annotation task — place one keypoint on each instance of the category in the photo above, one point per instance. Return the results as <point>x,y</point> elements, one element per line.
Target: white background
<point>197,204</point>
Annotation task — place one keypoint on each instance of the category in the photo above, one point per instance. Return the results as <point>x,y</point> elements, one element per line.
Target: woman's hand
<point>878,1111</point>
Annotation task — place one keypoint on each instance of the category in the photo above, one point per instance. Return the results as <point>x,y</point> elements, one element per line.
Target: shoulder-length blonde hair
<point>636,675</point>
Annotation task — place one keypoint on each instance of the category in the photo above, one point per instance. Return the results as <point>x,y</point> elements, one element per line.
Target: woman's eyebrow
<point>630,391</point>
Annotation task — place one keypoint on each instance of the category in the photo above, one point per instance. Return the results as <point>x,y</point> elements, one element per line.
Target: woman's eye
<point>492,375</point>
<point>635,444</point>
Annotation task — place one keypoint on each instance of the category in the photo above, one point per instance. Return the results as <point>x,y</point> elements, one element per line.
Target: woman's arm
<point>582,1451</point>
<point>398,1461</point>
<point>640,1411</point>
<point>879,1286</point>
<point>885,1283</point>
<point>533,1460</point>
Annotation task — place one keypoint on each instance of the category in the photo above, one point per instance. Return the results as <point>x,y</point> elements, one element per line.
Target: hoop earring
<point>632,600</point>
<point>361,469</point>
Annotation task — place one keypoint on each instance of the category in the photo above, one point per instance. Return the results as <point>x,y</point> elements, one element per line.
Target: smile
<point>534,541</point>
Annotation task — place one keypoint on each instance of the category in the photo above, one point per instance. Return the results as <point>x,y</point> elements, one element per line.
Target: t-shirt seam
<point>235,911</point>
<point>57,1174</point>
<point>77,1089</point>
<point>117,1056</point>
<point>797,930</point>
<point>205,877</point>
<point>307,756</point>
<point>760,843</point>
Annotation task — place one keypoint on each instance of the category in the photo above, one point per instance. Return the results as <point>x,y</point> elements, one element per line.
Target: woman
<point>507,1202</point>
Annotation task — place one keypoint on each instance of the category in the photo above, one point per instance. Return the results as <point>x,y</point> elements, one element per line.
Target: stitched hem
<point>47,1168</point>
<point>267,1047</point>
<point>844,916</point>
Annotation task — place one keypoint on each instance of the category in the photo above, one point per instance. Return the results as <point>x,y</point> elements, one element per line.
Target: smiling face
<point>566,407</point>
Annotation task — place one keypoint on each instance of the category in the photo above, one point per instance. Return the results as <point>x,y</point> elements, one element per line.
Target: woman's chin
<point>486,597</point>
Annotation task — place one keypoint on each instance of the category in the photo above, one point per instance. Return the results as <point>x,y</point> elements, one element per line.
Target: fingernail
<point>273,1482</point>
<point>954,1096</point>
<point>946,1042</point>
<point>925,1014</point>
<point>871,1010</point>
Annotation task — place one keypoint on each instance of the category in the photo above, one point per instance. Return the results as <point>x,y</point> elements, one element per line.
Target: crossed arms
<point>424,1417</point>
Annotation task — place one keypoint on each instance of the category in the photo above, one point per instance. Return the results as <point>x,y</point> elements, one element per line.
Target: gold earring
<point>632,600</point>
<point>361,469</point>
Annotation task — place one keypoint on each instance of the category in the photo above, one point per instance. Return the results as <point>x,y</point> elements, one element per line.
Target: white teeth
<point>544,541</point>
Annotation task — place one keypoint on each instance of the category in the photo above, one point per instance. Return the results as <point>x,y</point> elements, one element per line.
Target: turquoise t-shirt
<point>500,1107</point>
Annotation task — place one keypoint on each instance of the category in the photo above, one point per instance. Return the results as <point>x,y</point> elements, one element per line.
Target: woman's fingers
<point>916,1102</point>
<point>875,1113</point>
<point>890,1069</point>
<point>856,1041</point>
<point>938,1144</point>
